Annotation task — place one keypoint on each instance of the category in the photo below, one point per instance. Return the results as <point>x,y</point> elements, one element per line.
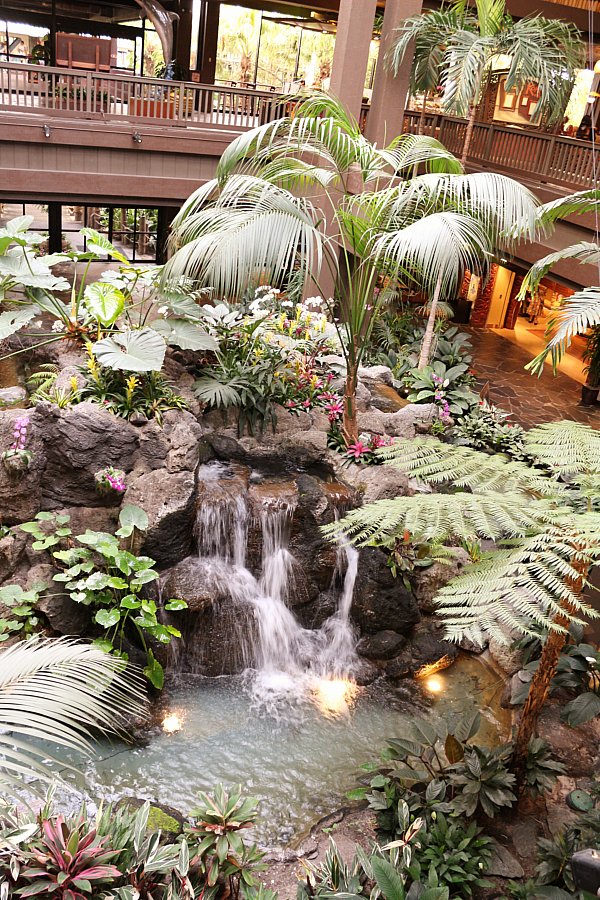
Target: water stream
<point>287,661</point>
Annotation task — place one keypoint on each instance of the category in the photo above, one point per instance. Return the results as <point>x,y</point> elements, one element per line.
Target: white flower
<point>58,326</point>
<point>37,323</point>
<point>163,311</point>
<point>287,304</point>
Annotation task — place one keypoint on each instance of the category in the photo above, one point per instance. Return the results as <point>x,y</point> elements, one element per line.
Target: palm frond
<point>576,315</point>
<point>467,59</point>
<point>530,584</point>
<point>438,247</point>
<point>425,37</point>
<point>437,517</point>
<point>568,448</point>
<point>583,252</point>
<point>253,231</point>
<point>571,205</point>
<point>59,691</point>
<point>438,463</point>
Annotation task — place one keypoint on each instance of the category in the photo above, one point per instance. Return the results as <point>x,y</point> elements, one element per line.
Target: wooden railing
<point>547,158</point>
<point>63,92</point>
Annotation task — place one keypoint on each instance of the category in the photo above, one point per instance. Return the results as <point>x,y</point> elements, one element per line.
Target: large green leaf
<point>132,351</point>
<point>99,245</point>
<point>582,709</point>
<point>131,517</point>
<point>184,334</point>
<point>13,319</point>
<point>389,880</point>
<point>104,302</point>
<point>215,393</point>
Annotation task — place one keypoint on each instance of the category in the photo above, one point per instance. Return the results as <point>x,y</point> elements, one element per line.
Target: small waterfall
<point>286,658</point>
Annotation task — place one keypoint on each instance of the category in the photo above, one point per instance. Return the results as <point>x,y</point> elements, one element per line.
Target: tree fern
<point>529,584</point>
<point>569,448</point>
<point>438,517</point>
<point>438,463</point>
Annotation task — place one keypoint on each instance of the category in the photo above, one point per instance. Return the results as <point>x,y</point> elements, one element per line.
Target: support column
<point>166,214</point>
<point>386,115</point>
<point>183,36</point>
<point>351,55</point>
<point>209,35</point>
<point>54,228</point>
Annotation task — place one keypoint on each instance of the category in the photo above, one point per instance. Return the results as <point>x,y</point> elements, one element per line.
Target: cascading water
<point>287,659</point>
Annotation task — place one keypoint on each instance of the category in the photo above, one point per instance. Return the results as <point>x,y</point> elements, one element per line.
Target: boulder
<point>12,547</point>
<point>64,616</point>
<point>78,443</point>
<point>169,501</point>
<point>427,647</point>
<point>428,581</point>
<point>381,602</point>
<point>413,419</point>
<point>377,482</point>
<point>510,661</point>
<point>372,375</point>
<point>383,645</point>
<point>12,396</point>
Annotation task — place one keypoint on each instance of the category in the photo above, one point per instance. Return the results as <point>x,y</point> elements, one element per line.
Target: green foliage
<point>436,384</point>
<point>460,855</point>
<point>485,427</point>
<point>554,853</point>
<point>541,770</point>
<point>22,617</point>
<point>147,394</point>
<point>218,846</point>
<point>48,530</point>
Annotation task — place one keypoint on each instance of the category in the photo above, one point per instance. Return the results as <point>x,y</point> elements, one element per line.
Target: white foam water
<point>287,660</point>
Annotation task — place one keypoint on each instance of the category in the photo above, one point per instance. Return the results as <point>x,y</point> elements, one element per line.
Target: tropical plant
<point>383,227</point>
<point>216,840</point>
<point>447,388</point>
<point>459,855</point>
<point>591,357</point>
<point>485,427</point>
<point>41,683</point>
<point>20,617</point>
<point>581,310</point>
<point>457,49</point>
<point>545,520</point>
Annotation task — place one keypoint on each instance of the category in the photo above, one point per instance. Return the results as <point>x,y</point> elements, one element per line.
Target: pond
<point>298,764</point>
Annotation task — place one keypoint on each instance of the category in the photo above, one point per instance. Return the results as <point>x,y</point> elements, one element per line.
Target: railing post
<point>438,125</point>
<point>488,142</point>
<point>89,95</point>
<point>544,167</point>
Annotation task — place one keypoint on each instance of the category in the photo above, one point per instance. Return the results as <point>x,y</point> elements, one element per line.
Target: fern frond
<point>529,584</point>
<point>568,448</point>
<point>437,517</point>
<point>439,463</point>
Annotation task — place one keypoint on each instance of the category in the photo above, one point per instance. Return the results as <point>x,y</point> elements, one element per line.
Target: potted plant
<point>165,104</point>
<point>591,358</point>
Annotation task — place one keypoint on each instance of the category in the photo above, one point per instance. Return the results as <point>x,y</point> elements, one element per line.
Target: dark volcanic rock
<point>383,645</point>
<point>21,496</point>
<point>427,646</point>
<point>381,602</point>
<point>78,443</point>
<point>169,500</point>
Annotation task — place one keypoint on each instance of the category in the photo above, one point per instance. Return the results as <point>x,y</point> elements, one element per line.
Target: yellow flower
<point>73,383</point>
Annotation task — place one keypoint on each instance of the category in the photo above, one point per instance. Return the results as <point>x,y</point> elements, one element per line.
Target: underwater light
<point>334,696</point>
<point>172,723</point>
<point>434,684</point>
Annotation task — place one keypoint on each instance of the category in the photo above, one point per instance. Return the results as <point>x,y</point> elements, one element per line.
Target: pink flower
<point>290,404</point>
<point>307,404</point>
<point>378,441</point>
<point>358,449</point>
<point>334,409</point>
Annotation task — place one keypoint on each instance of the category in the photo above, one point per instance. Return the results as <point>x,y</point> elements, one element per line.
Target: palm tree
<point>457,49</point>
<point>580,311</point>
<point>57,691</point>
<point>547,527</point>
<point>382,227</point>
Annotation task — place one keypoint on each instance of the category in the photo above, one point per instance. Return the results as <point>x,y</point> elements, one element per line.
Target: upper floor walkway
<point>78,136</point>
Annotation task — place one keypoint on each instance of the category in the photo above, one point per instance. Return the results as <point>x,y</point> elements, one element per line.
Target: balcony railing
<point>548,158</point>
<point>62,92</point>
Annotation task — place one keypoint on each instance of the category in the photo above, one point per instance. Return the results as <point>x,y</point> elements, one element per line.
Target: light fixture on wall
<point>136,136</point>
<point>46,130</point>
<point>597,67</point>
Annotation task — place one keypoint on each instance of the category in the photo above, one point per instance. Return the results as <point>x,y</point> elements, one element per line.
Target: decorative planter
<point>589,395</point>
<point>16,462</point>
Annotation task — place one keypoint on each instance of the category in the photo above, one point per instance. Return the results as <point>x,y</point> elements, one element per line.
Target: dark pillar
<point>54,228</point>
<point>183,36</point>
<point>351,55</point>
<point>209,35</point>
<point>52,36</point>
<point>386,115</point>
<point>166,214</point>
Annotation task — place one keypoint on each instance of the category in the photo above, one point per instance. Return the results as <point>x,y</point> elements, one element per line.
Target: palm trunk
<point>468,135</point>
<point>540,685</point>
<point>430,328</point>
<point>350,423</point>
<point>421,128</point>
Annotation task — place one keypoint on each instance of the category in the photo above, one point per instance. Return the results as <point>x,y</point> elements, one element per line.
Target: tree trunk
<point>421,128</point>
<point>468,135</point>
<point>541,681</point>
<point>350,423</point>
<point>430,328</point>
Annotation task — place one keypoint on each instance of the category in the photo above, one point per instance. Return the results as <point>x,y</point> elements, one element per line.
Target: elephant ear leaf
<point>104,302</point>
<point>13,319</point>
<point>132,351</point>
<point>99,245</point>
<point>184,334</point>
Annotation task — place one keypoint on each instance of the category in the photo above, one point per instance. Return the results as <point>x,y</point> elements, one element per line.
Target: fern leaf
<point>567,447</point>
<point>438,463</point>
<point>522,586</point>
<point>437,517</point>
